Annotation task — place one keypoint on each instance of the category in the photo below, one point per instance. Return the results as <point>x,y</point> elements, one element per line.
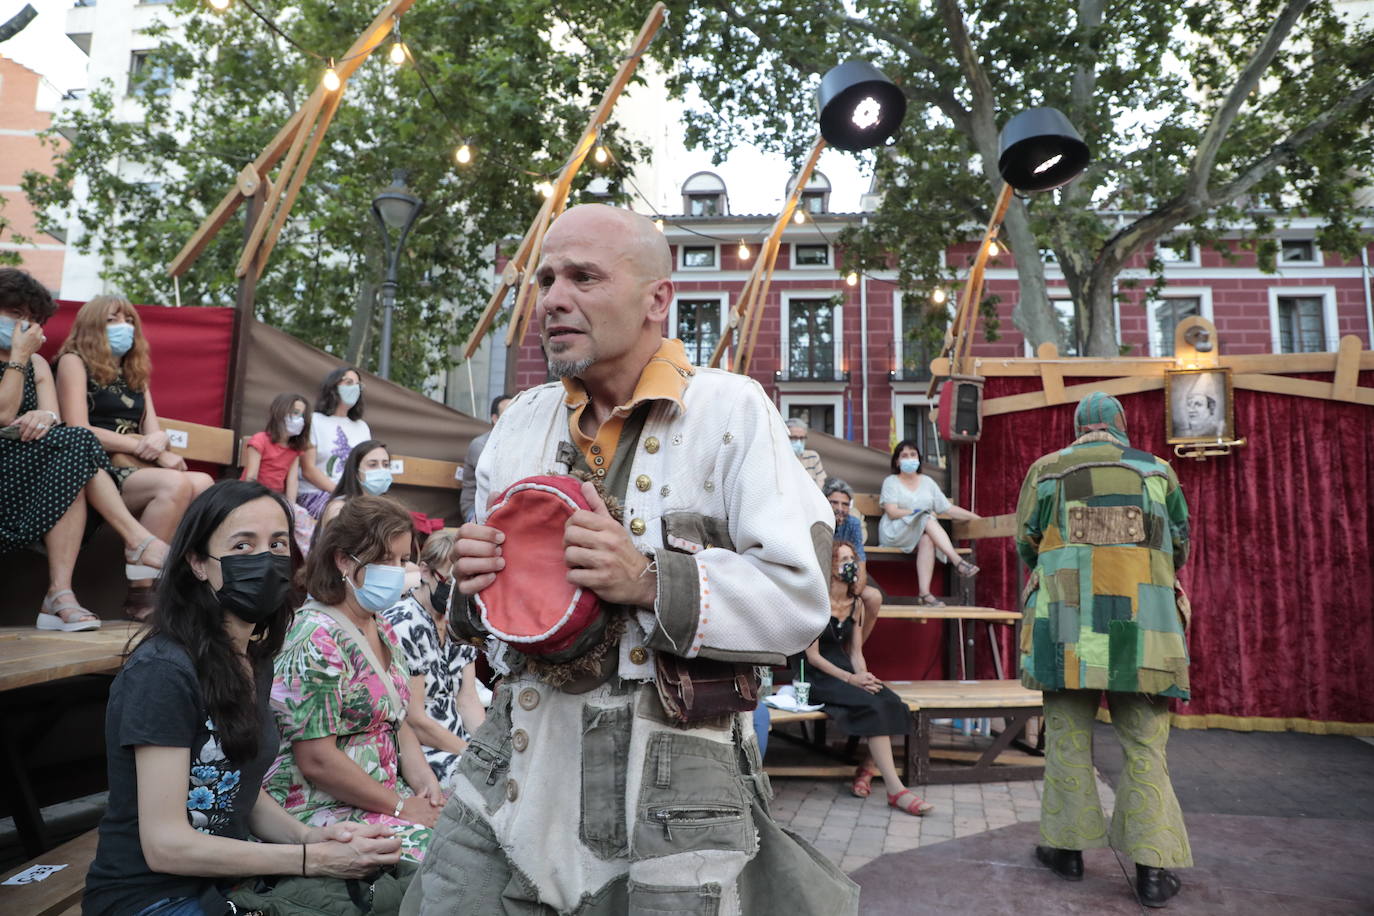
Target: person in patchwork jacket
<point>1104,528</point>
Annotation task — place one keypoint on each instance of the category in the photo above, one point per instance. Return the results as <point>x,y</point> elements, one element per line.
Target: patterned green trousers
<point>1147,824</point>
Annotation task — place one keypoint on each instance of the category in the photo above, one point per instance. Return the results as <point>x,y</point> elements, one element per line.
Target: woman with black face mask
<point>444,707</point>
<point>189,734</point>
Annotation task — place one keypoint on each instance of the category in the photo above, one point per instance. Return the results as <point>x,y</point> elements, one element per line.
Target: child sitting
<point>273,457</point>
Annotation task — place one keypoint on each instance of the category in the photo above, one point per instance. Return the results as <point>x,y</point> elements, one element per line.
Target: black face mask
<point>255,584</point>
<point>439,595</point>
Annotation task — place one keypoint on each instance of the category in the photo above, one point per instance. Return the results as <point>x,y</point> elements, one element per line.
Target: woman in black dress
<point>48,472</point>
<point>853,696</point>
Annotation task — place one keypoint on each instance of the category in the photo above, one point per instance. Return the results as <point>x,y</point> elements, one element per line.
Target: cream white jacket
<point>740,533</point>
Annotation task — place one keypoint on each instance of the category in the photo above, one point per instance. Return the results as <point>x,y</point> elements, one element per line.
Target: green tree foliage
<point>1203,117</point>
<point>516,79</point>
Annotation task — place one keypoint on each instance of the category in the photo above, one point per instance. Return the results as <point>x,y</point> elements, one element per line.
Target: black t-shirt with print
<point>156,701</point>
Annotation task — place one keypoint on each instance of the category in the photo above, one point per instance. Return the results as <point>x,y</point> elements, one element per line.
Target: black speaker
<point>960,414</point>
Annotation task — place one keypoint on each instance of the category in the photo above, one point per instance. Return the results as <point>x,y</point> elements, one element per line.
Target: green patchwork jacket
<point>1104,527</point>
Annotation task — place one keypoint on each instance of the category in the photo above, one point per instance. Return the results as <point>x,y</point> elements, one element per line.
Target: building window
<point>703,194</point>
<point>1176,254</point>
<point>914,422</point>
<point>146,73</point>
<point>698,257</point>
<point>1298,251</point>
<point>813,201</point>
<point>1168,312</point>
<point>1302,325</point>
<point>822,413</point>
<point>810,255</point>
<point>1048,256</point>
<point>815,197</point>
<point>1066,317</point>
<point>697,325</point>
<point>703,205</point>
<point>912,354</point>
<point>812,339</point>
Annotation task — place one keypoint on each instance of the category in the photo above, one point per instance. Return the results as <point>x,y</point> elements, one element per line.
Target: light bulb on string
<point>601,155</point>
<point>938,295</point>
<point>545,188</point>
<point>852,279</point>
<point>994,249</point>
<point>331,79</point>
<point>799,217</point>
<point>219,6</point>
<point>658,224</point>
<point>463,155</point>
<point>398,54</point>
<point>744,252</point>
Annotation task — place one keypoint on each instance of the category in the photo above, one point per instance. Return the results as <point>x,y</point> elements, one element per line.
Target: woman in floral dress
<point>340,687</point>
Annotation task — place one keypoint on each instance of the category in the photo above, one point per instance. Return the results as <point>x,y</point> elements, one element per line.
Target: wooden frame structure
<point>747,315</point>
<point>527,255</point>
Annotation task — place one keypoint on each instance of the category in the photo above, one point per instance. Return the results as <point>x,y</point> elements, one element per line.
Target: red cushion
<point>532,605</point>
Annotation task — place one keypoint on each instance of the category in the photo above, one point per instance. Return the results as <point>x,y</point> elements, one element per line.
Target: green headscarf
<point>1100,411</point>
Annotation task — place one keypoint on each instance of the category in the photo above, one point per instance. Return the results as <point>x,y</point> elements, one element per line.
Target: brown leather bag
<point>693,690</point>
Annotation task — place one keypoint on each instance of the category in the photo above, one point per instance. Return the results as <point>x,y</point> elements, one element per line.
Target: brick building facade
<point>24,113</point>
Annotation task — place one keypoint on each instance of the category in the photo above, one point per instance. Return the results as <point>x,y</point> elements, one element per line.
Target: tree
<point>1204,118</point>
<point>515,80</point>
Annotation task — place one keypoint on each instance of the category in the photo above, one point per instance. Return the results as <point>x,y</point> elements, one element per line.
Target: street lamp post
<point>395,210</point>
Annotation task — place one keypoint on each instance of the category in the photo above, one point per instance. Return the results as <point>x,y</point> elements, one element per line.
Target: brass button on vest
<point>639,655</point>
<point>528,699</point>
<point>512,790</point>
<point>637,527</point>
<point>519,739</point>
<point>651,445</point>
<point>643,483</point>
<point>599,460</point>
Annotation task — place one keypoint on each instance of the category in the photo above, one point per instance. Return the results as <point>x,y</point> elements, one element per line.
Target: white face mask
<point>294,425</point>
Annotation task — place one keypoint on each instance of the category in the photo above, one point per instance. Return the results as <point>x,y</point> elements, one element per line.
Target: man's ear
<point>662,294</point>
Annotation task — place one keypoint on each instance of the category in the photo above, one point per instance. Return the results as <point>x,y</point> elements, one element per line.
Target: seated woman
<point>103,375</point>
<point>49,472</point>
<point>335,428</point>
<point>188,732</point>
<point>366,470</point>
<point>911,501</point>
<point>341,688</point>
<point>444,708</point>
<point>853,697</point>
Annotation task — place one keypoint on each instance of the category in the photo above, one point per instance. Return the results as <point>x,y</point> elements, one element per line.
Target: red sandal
<point>862,786</point>
<point>914,805</point>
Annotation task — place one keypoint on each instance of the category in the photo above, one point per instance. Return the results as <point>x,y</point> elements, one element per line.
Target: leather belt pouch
<point>697,689</point>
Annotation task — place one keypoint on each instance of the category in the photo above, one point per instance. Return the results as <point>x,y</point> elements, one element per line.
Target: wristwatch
<point>14,364</point>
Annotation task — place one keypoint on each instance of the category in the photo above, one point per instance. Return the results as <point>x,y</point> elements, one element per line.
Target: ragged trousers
<point>1147,824</point>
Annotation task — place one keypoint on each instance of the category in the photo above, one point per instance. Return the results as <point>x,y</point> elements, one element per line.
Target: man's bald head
<point>642,242</point>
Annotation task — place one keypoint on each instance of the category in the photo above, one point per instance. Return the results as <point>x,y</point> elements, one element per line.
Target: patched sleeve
<point>766,598</point>
<point>1028,527</point>
<point>1177,508</point>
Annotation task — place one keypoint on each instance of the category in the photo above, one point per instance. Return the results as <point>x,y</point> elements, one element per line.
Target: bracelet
<point>14,364</point>
<point>650,567</point>
<point>302,860</point>
<point>400,803</point>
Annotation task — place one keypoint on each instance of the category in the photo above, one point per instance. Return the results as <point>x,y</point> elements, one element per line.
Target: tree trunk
<point>1098,302</point>
<point>1031,312</point>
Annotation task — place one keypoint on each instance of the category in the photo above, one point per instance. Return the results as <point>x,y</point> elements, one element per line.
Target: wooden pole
<point>959,335</point>
<point>528,252</point>
<point>768,255</point>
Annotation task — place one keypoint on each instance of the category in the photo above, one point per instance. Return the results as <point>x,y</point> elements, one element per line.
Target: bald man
<point>579,794</point>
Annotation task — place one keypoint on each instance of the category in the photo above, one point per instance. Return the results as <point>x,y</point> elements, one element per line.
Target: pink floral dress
<point>324,685</point>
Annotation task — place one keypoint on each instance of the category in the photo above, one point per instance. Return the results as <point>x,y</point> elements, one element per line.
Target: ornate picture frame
<point>1198,406</point>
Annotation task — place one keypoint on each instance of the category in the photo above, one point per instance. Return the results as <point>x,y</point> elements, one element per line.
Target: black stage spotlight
<point>1040,150</point>
<point>860,108</point>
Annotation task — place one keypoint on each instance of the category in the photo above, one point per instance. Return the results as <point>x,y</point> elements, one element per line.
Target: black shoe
<point>1066,863</point>
<point>1155,886</point>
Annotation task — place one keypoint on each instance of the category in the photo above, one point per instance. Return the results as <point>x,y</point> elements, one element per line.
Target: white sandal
<point>50,617</point>
<point>135,570</point>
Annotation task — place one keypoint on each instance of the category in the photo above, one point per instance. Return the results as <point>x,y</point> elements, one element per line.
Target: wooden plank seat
<point>1004,699</point>
<point>60,891</point>
<point>949,612</point>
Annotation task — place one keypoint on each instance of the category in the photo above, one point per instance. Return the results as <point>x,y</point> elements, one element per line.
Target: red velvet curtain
<point>1280,572</point>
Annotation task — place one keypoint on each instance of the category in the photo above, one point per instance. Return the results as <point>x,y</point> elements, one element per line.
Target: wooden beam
<point>1051,373</point>
<point>1296,387</point>
<point>298,177</point>
<point>992,526</point>
<point>311,113</point>
<point>1272,363</point>
<point>1347,378</point>
<point>511,277</point>
<point>1032,400</point>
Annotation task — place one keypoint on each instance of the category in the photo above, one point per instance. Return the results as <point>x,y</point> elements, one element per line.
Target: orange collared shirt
<point>665,377</point>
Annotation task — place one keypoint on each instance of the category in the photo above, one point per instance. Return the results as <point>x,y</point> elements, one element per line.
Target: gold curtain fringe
<point>1263,724</point>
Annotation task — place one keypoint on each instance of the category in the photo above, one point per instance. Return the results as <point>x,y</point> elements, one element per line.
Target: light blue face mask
<point>798,445</point>
<point>121,338</point>
<point>7,326</point>
<point>909,465</point>
<point>349,394</point>
<point>381,588</point>
<point>377,481</point>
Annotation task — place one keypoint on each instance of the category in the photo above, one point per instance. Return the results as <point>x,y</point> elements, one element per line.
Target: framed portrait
<point>1198,406</point>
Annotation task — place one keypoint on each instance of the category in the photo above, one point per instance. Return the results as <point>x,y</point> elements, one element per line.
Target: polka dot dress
<point>40,479</point>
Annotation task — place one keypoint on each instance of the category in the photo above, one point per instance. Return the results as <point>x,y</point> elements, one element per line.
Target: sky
<point>755,179</point>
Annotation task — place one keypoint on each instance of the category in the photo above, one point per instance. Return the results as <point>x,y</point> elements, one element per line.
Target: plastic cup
<point>803,691</point>
<point>765,680</point>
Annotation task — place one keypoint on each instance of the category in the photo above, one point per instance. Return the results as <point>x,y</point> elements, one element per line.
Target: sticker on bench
<point>178,438</point>
<point>398,466</point>
<point>35,873</point>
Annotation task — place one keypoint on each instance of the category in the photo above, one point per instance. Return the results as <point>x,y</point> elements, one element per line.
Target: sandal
<point>134,566</point>
<point>966,569</point>
<point>914,805</point>
<point>929,600</point>
<point>51,617</point>
<point>862,786</point>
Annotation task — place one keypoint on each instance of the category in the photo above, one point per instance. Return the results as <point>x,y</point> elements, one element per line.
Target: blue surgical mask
<point>121,337</point>
<point>349,394</point>
<point>7,326</point>
<point>295,425</point>
<point>910,465</point>
<point>798,445</point>
<point>382,586</point>
<point>377,481</point>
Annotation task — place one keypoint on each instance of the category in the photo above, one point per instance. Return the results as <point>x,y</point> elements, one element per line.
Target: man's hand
<point>601,556</point>
<point>477,557</point>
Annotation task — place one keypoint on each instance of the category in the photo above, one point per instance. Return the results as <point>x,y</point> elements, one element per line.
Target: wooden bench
<point>929,700</point>
<point>59,893</point>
